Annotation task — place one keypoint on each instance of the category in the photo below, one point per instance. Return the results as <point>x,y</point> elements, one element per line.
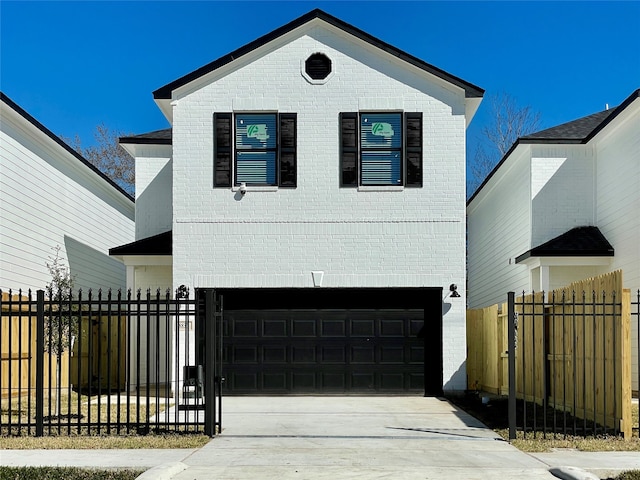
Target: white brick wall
<point>562,196</point>
<point>414,237</point>
<point>153,190</point>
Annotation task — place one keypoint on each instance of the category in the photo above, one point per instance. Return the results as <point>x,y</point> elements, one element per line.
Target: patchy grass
<point>104,442</point>
<point>629,475</point>
<point>495,416</point>
<point>66,473</point>
<point>76,407</point>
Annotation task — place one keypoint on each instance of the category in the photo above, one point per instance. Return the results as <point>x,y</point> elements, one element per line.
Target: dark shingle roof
<point>161,244</point>
<point>578,131</point>
<point>471,91</point>
<point>157,137</point>
<point>577,242</point>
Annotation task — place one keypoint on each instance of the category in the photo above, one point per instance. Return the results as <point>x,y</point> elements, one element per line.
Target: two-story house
<point>561,206</point>
<point>316,178</point>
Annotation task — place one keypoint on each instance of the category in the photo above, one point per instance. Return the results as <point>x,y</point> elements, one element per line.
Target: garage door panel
<point>245,328</point>
<point>392,328</point>
<point>363,355</point>
<point>244,381</point>
<point>274,328</point>
<point>274,382</point>
<point>303,381</point>
<point>315,351</point>
<point>245,354</point>
<point>304,354</point>
<point>274,354</point>
<point>304,328</point>
<point>332,328</point>
<point>392,355</point>
<point>363,328</point>
<point>392,381</point>
<point>332,354</point>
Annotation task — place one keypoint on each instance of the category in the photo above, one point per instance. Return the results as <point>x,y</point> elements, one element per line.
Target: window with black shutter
<point>258,149</point>
<point>380,149</point>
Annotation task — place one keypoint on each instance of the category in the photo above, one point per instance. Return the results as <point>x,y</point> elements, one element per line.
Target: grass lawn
<point>66,473</point>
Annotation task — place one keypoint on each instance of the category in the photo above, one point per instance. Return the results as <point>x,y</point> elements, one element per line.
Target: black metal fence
<point>635,321</point>
<point>114,363</point>
<point>570,374</point>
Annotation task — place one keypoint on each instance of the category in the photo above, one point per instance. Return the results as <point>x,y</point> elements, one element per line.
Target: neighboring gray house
<point>316,178</point>
<point>51,196</point>
<point>561,206</point>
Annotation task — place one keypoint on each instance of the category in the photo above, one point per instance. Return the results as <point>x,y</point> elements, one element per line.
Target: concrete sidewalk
<point>339,437</point>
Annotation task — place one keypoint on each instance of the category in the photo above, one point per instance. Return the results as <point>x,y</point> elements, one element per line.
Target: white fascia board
<point>471,107</point>
<point>534,262</point>
<point>145,260</point>
<point>141,150</point>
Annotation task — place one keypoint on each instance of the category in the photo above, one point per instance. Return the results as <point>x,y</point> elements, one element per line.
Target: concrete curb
<point>165,471</point>
<point>572,473</point>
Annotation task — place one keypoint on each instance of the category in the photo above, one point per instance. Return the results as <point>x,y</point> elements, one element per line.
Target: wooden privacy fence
<point>573,356</point>
<point>91,356</point>
<point>18,347</point>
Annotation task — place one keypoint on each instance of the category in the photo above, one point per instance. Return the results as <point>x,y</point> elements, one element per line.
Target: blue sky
<point>73,65</point>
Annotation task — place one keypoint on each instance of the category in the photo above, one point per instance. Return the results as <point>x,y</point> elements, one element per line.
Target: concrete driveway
<point>355,437</point>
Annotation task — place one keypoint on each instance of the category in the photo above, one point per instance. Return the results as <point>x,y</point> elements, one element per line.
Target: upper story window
<point>255,149</point>
<point>381,149</point>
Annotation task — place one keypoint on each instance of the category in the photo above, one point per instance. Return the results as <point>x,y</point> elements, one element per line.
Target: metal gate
<point>569,363</point>
<point>109,363</point>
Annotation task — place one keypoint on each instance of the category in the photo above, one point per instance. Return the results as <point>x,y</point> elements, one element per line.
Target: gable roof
<point>578,131</point>
<point>471,91</point>
<point>160,244</point>
<point>577,242</point>
<point>23,113</point>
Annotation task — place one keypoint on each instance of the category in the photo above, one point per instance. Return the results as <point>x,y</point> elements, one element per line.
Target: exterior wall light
<point>453,288</point>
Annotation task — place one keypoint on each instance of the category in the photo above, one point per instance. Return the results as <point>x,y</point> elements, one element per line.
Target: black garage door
<point>343,348</point>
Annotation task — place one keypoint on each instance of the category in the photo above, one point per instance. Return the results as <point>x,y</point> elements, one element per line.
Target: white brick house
<point>315,177</point>
<point>561,206</point>
<point>52,197</point>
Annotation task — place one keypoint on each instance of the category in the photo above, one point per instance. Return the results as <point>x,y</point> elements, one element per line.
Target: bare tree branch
<point>509,121</point>
<point>108,156</point>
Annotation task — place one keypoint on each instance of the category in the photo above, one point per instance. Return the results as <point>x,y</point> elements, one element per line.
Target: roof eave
<point>163,95</point>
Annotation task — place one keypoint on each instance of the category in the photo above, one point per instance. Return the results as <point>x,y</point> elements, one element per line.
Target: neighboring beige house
<point>562,205</point>
<point>52,197</point>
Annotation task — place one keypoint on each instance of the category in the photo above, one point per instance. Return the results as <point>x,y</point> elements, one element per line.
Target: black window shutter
<point>288,151</point>
<point>223,143</point>
<point>413,149</point>
<point>348,149</point>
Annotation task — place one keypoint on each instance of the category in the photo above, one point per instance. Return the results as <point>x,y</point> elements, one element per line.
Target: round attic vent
<point>317,66</point>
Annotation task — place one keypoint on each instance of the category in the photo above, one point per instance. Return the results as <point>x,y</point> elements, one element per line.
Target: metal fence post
<point>209,363</point>
<point>40,364</point>
<point>512,364</point>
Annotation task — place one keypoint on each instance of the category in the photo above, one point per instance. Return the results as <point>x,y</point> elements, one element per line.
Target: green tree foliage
<point>60,325</point>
